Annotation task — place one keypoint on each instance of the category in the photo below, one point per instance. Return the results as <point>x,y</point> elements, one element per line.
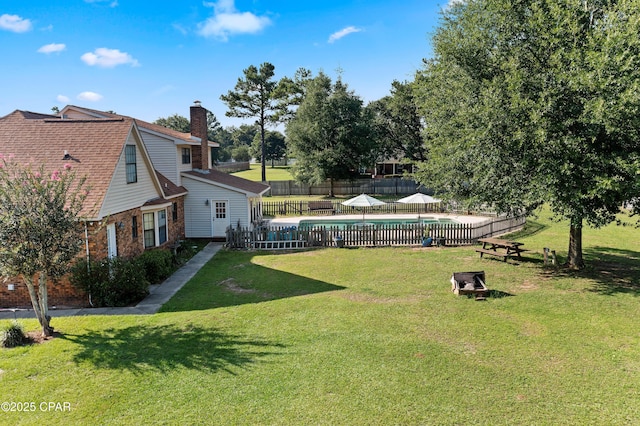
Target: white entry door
<point>220,217</point>
<point>112,248</point>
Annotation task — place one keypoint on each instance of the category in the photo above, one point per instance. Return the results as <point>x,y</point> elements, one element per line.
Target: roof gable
<point>93,147</point>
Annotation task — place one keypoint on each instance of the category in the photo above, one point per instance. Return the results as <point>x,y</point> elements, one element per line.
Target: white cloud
<point>113,3</point>
<point>343,32</point>
<point>89,96</point>
<point>15,23</point>
<point>52,48</point>
<point>226,21</point>
<point>62,99</point>
<point>108,58</point>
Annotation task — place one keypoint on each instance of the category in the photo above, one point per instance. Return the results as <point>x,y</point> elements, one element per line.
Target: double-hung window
<point>148,222</point>
<point>130,160</point>
<point>186,155</point>
<point>155,228</point>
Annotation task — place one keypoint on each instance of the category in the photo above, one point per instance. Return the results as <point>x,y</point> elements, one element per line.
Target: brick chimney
<point>200,154</point>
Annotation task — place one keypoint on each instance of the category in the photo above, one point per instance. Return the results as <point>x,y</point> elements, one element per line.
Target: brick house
<point>150,186</point>
<point>130,208</point>
<point>214,200</point>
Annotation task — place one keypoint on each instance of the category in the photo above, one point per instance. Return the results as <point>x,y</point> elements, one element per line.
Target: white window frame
<point>156,226</point>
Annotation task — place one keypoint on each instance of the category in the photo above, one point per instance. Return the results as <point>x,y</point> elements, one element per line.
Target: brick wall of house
<point>176,226</point>
<point>62,293</point>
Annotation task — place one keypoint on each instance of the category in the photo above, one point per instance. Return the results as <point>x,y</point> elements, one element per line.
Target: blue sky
<point>153,59</point>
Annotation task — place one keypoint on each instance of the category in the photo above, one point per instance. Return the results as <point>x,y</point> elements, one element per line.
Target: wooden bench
<point>497,253</point>
<point>323,206</point>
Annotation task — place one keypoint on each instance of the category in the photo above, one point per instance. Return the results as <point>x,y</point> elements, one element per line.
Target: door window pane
<point>221,209</point>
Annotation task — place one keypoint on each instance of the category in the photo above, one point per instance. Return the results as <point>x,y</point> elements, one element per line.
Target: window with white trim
<point>155,228</point>
<point>148,223</point>
<point>130,161</point>
<point>186,155</point>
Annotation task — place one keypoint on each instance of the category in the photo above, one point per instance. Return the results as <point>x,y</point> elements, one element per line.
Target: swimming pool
<point>359,223</point>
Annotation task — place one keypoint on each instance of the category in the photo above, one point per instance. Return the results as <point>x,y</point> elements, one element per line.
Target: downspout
<point>86,245</point>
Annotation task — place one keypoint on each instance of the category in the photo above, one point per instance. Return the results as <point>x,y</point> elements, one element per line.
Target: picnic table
<point>500,248</point>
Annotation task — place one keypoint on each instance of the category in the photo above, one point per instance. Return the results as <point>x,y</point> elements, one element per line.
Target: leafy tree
<point>182,124</point>
<point>40,231</point>
<point>275,146</point>
<point>290,93</point>
<point>241,153</point>
<point>256,96</point>
<point>536,102</point>
<point>331,135</point>
<point>245,135</point>
<point>398,124</point>
<point>175,122</point>
<point>223,138</point>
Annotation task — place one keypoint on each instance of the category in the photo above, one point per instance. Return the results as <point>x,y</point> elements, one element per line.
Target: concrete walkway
<point>158,294</point>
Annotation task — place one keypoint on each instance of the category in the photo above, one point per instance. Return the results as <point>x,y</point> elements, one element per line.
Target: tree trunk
<point>38,302</point>
<point>262,151</point>
<point>574,257</point>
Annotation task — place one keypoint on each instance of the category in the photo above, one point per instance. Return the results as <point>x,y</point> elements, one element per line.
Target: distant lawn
<point>358,337</point>
<point>275,173</point>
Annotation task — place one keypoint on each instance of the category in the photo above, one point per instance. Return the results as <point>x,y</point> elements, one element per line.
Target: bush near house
<point>122,282</point>
<point>111,282</point>
<point>158,265</point>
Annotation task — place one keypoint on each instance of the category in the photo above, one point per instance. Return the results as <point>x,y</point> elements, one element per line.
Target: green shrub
<point>13,335</point>
<point>111,282</point>
<point>157,265</point>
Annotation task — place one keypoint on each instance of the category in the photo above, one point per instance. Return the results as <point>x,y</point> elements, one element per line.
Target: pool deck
<point>295,221</point>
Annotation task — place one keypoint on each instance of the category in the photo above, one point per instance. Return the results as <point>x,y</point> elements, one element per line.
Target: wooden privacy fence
<point>368,235</point>
<point>303,208</point>
<point>389,186</point>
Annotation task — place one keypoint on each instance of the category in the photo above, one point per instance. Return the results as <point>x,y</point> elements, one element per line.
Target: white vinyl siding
<point>163,154</point>
<point>121,196</point>
<point>198,216</point>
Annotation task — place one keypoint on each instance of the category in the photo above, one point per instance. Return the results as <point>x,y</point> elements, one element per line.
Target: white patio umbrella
<point>419,198</point>
<point>363,200</point>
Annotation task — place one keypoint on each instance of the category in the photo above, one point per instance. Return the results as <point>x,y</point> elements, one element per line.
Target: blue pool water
<point>348,223</point>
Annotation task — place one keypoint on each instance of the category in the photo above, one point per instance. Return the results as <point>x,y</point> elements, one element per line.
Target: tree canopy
<point>536,102</point>
<point>40,228</point>
<point>331,135</point>
<point>398,124</point>
<point>275,146</point>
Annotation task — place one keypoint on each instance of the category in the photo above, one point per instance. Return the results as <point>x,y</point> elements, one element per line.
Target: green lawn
<point>358,336</point>
<point>273,173</point>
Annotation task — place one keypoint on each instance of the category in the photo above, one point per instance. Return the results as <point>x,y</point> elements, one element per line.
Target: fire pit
<point>469,283</point>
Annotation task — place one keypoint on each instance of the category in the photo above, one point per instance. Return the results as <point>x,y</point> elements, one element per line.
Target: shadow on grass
<point>142,348</point>
<point>234,278</point>
<point>612,270</point>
